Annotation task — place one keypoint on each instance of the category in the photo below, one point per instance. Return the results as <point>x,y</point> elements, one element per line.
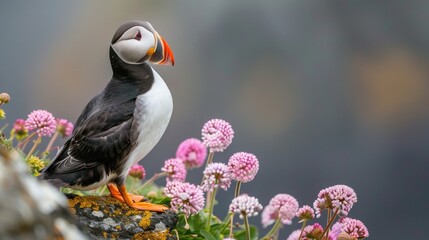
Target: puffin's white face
<point>135,44</point>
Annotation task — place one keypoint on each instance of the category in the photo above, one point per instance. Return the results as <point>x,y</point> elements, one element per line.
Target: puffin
<point>123,123</point>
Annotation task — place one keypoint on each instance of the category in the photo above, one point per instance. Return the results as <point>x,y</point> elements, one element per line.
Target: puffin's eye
<point>138,36</point>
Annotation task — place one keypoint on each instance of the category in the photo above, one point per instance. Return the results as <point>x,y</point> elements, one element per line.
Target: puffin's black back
<point>105,130</point>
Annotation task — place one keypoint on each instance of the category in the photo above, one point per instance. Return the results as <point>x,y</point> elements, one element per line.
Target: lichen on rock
<point>104,217</point>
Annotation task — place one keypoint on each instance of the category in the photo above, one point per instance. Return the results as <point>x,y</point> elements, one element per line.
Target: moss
<point>145,221</point>
<point>122,215</point>
<point>94,202</point>
<point>152,235</point>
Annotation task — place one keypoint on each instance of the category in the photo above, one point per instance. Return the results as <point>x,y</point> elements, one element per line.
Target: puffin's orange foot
<point>148,206</point>
<point>114,192</point>
<point>122,195</point>
<point>140,205</point>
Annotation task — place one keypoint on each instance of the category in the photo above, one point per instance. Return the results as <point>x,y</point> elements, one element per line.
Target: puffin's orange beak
<point>163,53</point>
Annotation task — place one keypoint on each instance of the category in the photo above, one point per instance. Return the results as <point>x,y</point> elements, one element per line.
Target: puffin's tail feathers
<point>56,182</point>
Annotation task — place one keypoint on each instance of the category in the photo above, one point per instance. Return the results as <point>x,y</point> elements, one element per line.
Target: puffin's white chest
<point>151,115</point>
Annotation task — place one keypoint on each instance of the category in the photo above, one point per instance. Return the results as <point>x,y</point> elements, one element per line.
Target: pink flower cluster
<point>245,206</point>
<point>305,213</point>
<point>19,127</point>
<point>217,135</point>
<point>43,121</point>
<point>295,235</point>
<point>314,231</point>
<point>216,175</point>
<point>193,152</point>
<point>175,169</point>
<point>185,197</point>
<point>354,228</point>
<point>340,197</point>
<point>335,231</point>
<point>282,206</point>
<point>64,127</point>
<point>244,166</point>
<point>137,171</point>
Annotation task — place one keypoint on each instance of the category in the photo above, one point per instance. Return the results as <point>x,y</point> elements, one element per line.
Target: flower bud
<point>4,98</point>
<point>152,194</point>
<point>137,171</point>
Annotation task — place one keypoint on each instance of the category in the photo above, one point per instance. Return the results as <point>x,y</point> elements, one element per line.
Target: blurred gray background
<point>322,92</point>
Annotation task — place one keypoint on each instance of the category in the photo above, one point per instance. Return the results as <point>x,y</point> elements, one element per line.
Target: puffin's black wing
<point>87,111</point>
<point>101,138</point>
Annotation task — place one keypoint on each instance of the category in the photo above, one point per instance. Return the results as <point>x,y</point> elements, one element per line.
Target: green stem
<point>302,229</point>
<point>209,160</point>
<point>187,224</point>
<point>273,230</point>
<point>155,177</point>
<point>102,189</point>
<point>26,140</point>
<point>51,142</point>
<point>231,226</point>
<point>177,233</point>
<point>237,189</point>
<point>208,197</point>
<point>229,223</point>
<point>327,220</point>
<point>247,226</point>
<point>38,140</point>
<point>330,223</point>
<point>133,184</point>
<point>211,206</point>
<point>225,225</point>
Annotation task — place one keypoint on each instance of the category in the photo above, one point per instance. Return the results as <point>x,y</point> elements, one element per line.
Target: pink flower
<point>64,127</point>
<point>217,135</point>
<point>314,231</point>
<point>41,120</point>
<point>245,206</point>
<point>340,197</point>
<point>354,227</point>
<point>137,171</point>
<point>185,197</point>
<point>193,152</point>
<point>335,231</point>
<point>305,213</point>
<point>282,206</point>
<point>175,169</point>
<point>269,215</point>
<point>19,126</point>
<point>216,175</point>
<point>244,166</point>
<point>171,187</point>
<point>295,235</point>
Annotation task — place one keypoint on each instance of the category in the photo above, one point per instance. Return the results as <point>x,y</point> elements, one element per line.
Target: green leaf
<point>190,237</point>
<point>241,235</point>
<point>216,228</point>
<point>161,200</point>
<point>207,235</point>
<point>180,226</point>
<point>197,221</point>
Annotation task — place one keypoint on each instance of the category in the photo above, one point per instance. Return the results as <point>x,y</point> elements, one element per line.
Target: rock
<point>104,217</point>
<point>31,209</point>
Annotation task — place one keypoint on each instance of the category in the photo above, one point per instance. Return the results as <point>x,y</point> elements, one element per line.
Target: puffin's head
<point>137,42</point>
